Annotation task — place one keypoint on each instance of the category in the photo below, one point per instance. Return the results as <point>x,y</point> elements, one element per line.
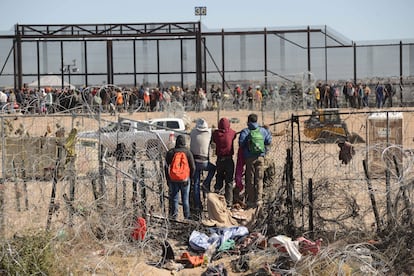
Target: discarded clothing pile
<point>239,241</point>
<point>220,238</point>
<point>236,240</point>
<point>297,248</point>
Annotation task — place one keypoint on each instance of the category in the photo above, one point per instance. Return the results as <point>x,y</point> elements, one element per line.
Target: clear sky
<point>357,20</point>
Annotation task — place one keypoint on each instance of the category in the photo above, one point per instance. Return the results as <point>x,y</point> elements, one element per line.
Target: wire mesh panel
<point>312,185</point>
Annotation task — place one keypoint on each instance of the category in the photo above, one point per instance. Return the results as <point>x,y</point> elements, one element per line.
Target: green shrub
<point>27,255</point>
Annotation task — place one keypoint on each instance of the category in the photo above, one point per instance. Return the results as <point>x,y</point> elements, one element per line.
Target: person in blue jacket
<point>254,172</point>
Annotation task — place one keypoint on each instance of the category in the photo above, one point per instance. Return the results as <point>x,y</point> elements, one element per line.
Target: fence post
<point>134,181</point>
<point>372,196</point>
<point>3,153</point>
<point>102,189</point>
<point>52,206</point>
<point>123,193</point>
<point>161,184</point>
<point>16,187</point>
<point>296,118</point>
<point>26,198</point>
<point>390,218</point>
<point>143,190</point>
<point>310,198</point>
<point>72,181</point>
<point>290,189</point>
<point>2,179</point>
<point>101,164</point>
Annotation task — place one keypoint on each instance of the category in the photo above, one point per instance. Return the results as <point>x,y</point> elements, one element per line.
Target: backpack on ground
<point>256,141</point>
<point>179,168</point>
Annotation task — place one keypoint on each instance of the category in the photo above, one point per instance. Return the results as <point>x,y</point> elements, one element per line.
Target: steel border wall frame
<point>108,30</point>
<point>105,31</point>
<point>66,32</point>
<point>175,30</point>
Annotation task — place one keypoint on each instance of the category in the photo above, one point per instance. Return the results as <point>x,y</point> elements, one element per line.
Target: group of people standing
<point>224,170</point>
<point>255,99</point>
<point>326,95</point>
<point>355,95</point>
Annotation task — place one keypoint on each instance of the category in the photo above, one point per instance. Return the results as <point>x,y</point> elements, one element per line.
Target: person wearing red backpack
<point>179,172</point>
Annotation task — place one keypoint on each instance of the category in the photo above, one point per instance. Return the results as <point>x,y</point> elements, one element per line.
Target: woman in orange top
<point>258,98</point>
<point>147,99</point>
<point>119,101</point>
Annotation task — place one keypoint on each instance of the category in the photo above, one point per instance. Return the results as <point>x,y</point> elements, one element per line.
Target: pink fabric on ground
<point>239,170</point>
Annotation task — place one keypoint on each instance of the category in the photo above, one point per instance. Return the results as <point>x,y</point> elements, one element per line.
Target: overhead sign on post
<point>200,11</point>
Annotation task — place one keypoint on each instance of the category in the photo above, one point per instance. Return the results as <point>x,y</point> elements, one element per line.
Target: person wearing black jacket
<point>175,187</point>
<point>389,92</point>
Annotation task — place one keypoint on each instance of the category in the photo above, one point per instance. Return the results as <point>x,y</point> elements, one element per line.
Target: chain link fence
<point>55,177</point>
<point>325,184</point>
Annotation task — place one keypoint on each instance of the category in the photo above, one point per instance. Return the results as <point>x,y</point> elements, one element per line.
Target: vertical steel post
<point>52,206</point>
<point>19,61</point>
<point>135,180</point>
<point>199,76</point>
<point>134,54</point>
<point>109,63</point>
<point>204,59</point>
<point>301,172</point>
<point>38,63</point>
<point>2,215</point>
<point>326,55</point>
<point>158,63</point>
<point>181,64</point>
<point>355,63</point>
<point>401,73</point>
<point>143,190</point>
<point>265,69</point>
<point>223,77</point>
<point>85,64</point>
<point>62,65</point>
<point>401,60</point>
<point>387,177</point>
<point>309,50</point>
<point>310,199</point>
<point>3,151</point>
<point>101,164</point>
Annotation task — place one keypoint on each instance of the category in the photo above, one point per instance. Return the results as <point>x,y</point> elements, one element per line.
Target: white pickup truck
<point>121,138</point>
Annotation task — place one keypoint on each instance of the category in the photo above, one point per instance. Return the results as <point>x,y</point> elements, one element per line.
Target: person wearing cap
<point>42,100</point>
<point>200,137</point>
<point>237,95</point>
<point>254,171</point>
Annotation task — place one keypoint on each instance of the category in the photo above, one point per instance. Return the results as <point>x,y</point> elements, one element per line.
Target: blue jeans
<point>204,166</point>
<point>175,188</point>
